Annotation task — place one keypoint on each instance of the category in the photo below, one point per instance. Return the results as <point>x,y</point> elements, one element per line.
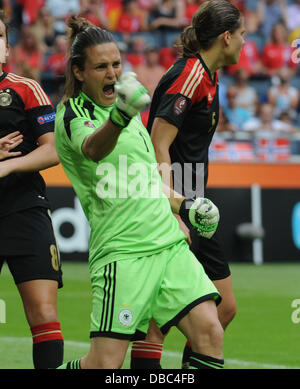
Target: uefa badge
<point>125,317</point>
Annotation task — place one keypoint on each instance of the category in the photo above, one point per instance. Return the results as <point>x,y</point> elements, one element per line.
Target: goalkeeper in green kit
<point>138,254</point>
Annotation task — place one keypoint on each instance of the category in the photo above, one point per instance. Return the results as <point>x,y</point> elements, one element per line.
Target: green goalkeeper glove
<point>202,214</point>
<point>132,98</point>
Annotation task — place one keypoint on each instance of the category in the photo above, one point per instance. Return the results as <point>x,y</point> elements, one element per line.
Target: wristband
<point>119,118</point>
<point>184,211</point>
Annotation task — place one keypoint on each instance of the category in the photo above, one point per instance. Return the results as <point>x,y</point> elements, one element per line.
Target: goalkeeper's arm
<point>132,97</point>
<point>99,144</point>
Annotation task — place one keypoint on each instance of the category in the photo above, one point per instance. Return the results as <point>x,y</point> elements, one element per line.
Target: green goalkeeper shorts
<point>165,286</point>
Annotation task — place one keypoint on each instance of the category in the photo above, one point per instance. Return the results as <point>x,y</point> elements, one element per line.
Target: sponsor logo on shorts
<point>125,317</point>
<point>50,117</point>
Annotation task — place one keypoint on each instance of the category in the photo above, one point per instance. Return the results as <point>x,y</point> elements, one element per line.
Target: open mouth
<point>109,90</point>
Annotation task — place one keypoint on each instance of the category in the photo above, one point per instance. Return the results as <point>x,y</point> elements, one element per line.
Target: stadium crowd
<point>259,97</point>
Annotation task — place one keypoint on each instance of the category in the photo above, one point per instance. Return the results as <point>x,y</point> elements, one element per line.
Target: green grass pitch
<point>262,336</point>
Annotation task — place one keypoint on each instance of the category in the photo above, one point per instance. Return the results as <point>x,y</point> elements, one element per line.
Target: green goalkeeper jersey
<point>121,195</point>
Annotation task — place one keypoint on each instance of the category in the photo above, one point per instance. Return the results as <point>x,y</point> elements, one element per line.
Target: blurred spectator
<point>239,4</point>
<point>30,10</point>
<point>151,72</point>
<point>191,7</point>
<point>222,92</point>
<point>52,77</point>
<point>251,15</point>
<point>57,60</point>
<point>168,14</point>
<point>167,19</point>
<point>286,118</point>
<point>27,56</point>
<point>168,55</point>
<point>246,96</point>
<point>224,124</point>
<point>15,20</point>
<point>278,53</point>
<point>266,123</point>
<point>236,115</point>
<point>114,10</point>
<point>250,58</point>
<point>293,16</point>
<point>60,10</point>
<point>283,96</point>
<point>137,56</point>
<point>43,29</point>
<point>146,5</point>
<point>126,65</point>
<point>7,8</point>
<point>271,12</point>
<point>132,19</point>
<point>95,12</point>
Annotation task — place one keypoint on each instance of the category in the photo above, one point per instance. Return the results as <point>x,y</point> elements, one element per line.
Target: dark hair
<point>3,18</point>
<point>210,20</point>
<point>81,34</point>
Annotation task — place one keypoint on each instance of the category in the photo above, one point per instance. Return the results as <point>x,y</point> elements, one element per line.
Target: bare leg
<point>40,301</point>
<point>203,330</point>
<point>40,304</point>
<point>105,353</point>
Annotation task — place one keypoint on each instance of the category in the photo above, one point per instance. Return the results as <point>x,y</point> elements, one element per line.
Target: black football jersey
<point>24,107</point>
<point>187,97</point>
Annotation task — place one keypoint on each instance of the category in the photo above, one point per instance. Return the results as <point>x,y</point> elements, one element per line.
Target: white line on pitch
<point>168,353</point>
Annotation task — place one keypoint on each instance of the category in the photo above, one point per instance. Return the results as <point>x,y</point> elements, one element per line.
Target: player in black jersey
<point>183,117</point>
<point>28,244</point>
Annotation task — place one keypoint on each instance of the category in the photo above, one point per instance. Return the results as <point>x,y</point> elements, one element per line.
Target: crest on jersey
<point>89,124</point>
<point>5,99</point>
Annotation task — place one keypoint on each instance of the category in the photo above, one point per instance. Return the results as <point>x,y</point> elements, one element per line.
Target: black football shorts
<point>210,255</point>
<point>28,246</point>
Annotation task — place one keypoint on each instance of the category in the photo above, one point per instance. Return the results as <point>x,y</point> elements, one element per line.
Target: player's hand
<point>8,143</point>
<point>132,97</point>
<point>202,214</point>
